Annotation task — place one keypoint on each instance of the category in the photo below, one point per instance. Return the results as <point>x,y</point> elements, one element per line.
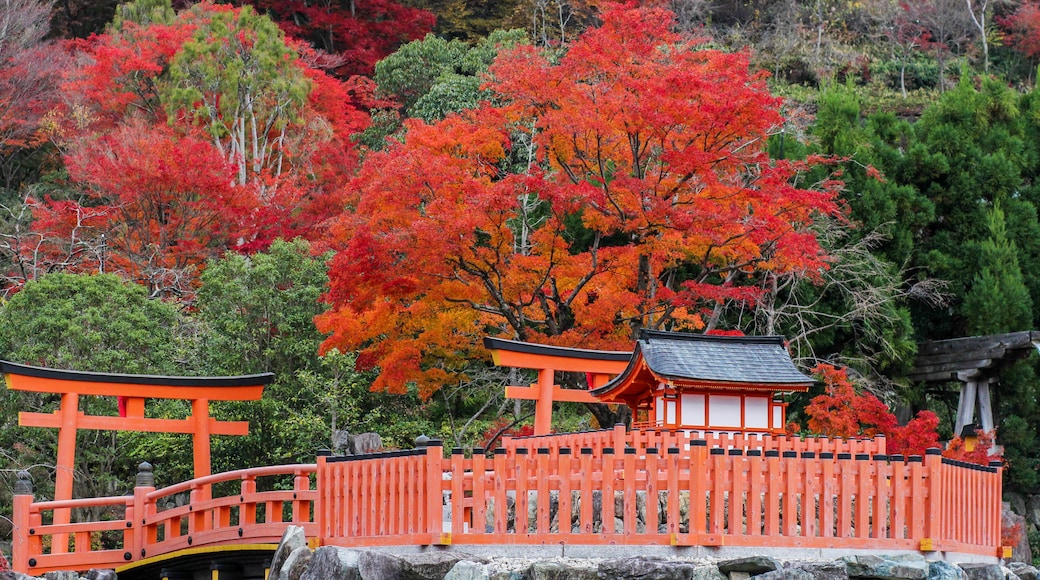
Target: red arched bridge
<point>669,488</point>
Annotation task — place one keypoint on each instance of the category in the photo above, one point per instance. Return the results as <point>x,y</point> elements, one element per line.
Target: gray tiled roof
<point>729,359</point>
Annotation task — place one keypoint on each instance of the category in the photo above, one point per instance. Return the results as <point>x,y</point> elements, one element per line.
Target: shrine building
<point>707,382</point>
<point>672,380</point>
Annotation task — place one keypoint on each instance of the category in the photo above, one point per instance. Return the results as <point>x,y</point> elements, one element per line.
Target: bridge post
<point>143,535</point>
<point>23,498</point>
<point>434,496</point>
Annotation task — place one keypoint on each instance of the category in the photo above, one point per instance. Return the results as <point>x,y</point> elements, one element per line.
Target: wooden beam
<point>1012,340</point>
<point>145,424</point>
<point>937,377</point>
<point>559,394</point>
<point>953,367</point>
<point>936,359</point>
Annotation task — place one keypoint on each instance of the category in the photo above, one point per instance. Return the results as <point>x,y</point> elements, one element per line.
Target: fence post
<point>619,437</point>
<point>23,498</point>
<point>144,484</point>
<point>996,525</point>
<point>434,497</point>
<point>932,517</point>
<point>323,501</point>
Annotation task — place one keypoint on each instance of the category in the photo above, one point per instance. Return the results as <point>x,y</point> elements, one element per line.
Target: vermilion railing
<point>693,496</point>
<point>217,509</point>
<point>619,438</point>
<point>669,491</point>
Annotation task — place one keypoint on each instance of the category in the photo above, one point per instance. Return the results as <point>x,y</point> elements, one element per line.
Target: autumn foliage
<point>186,134</point>
<point>844,412</point>
<point>982,452</point>
<point>1022,28</point>
<point>625,186</point>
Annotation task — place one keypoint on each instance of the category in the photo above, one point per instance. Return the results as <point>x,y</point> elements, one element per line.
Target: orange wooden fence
<point>683,495</point>
<point>693,496</point>
<point>619,438</point>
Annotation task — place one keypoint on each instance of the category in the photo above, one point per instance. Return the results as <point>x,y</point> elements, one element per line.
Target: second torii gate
<point>134,389</point>
<point>599,365</point>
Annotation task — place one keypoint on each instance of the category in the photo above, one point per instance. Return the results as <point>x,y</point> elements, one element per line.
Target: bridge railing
<point>662,439</point>
<point>217,509</point>
<point>681,495</point>
<point>693,496</point>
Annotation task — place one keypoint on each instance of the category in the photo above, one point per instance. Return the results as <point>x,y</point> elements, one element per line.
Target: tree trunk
<point>607,418</point>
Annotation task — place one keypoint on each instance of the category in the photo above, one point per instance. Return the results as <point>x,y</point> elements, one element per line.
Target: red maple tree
<point>187,137</point>
<point>626,185</point>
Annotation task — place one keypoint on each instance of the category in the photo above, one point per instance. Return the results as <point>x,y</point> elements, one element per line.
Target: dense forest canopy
<point>351,194</point>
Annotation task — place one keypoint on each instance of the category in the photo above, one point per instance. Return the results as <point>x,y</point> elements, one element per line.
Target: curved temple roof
<point>7,367</point>
<point>751,360</point>
<point>237,388</point>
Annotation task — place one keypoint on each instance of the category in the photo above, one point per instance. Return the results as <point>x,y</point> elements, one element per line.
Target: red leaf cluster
<point>984,450</point>
<point>491,438</point>
<point>1022,28</point>
<point>844,412</point>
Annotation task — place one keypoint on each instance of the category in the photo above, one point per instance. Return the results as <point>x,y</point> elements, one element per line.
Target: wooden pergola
<point>135,390</point>
<point>975,362</point>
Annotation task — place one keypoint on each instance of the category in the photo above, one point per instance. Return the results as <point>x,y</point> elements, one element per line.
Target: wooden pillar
<point>966,404</point>
<point>985,407</point>
<point>66,466</point>
<point>200,415</point>
<point>22,500</point>
<point>543,407</point>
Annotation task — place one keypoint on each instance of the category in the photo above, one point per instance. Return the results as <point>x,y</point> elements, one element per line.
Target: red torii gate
<point>134,389</point>
<point>599,365</point>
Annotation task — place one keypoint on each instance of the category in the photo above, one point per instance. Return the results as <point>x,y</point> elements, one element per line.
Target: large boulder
<point>895,567</point>
<point>649,569</point>
<point>557,570</point>
<point>1033,510</point>
<point>1015,525</point>
<point>833,570</point>
<point>332,563</point>
<point>467,570</point>
<point>431,565</point>
<point>983,571</point>
<point>1023,571</point>
<point>295,564</point>
<point>942,570</point>
<point>381,566</point>
<point>1015,501</point>
<point>710,572</point>
<point>787,574</point>
<point>753,565</point>
<point>292,539</point>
